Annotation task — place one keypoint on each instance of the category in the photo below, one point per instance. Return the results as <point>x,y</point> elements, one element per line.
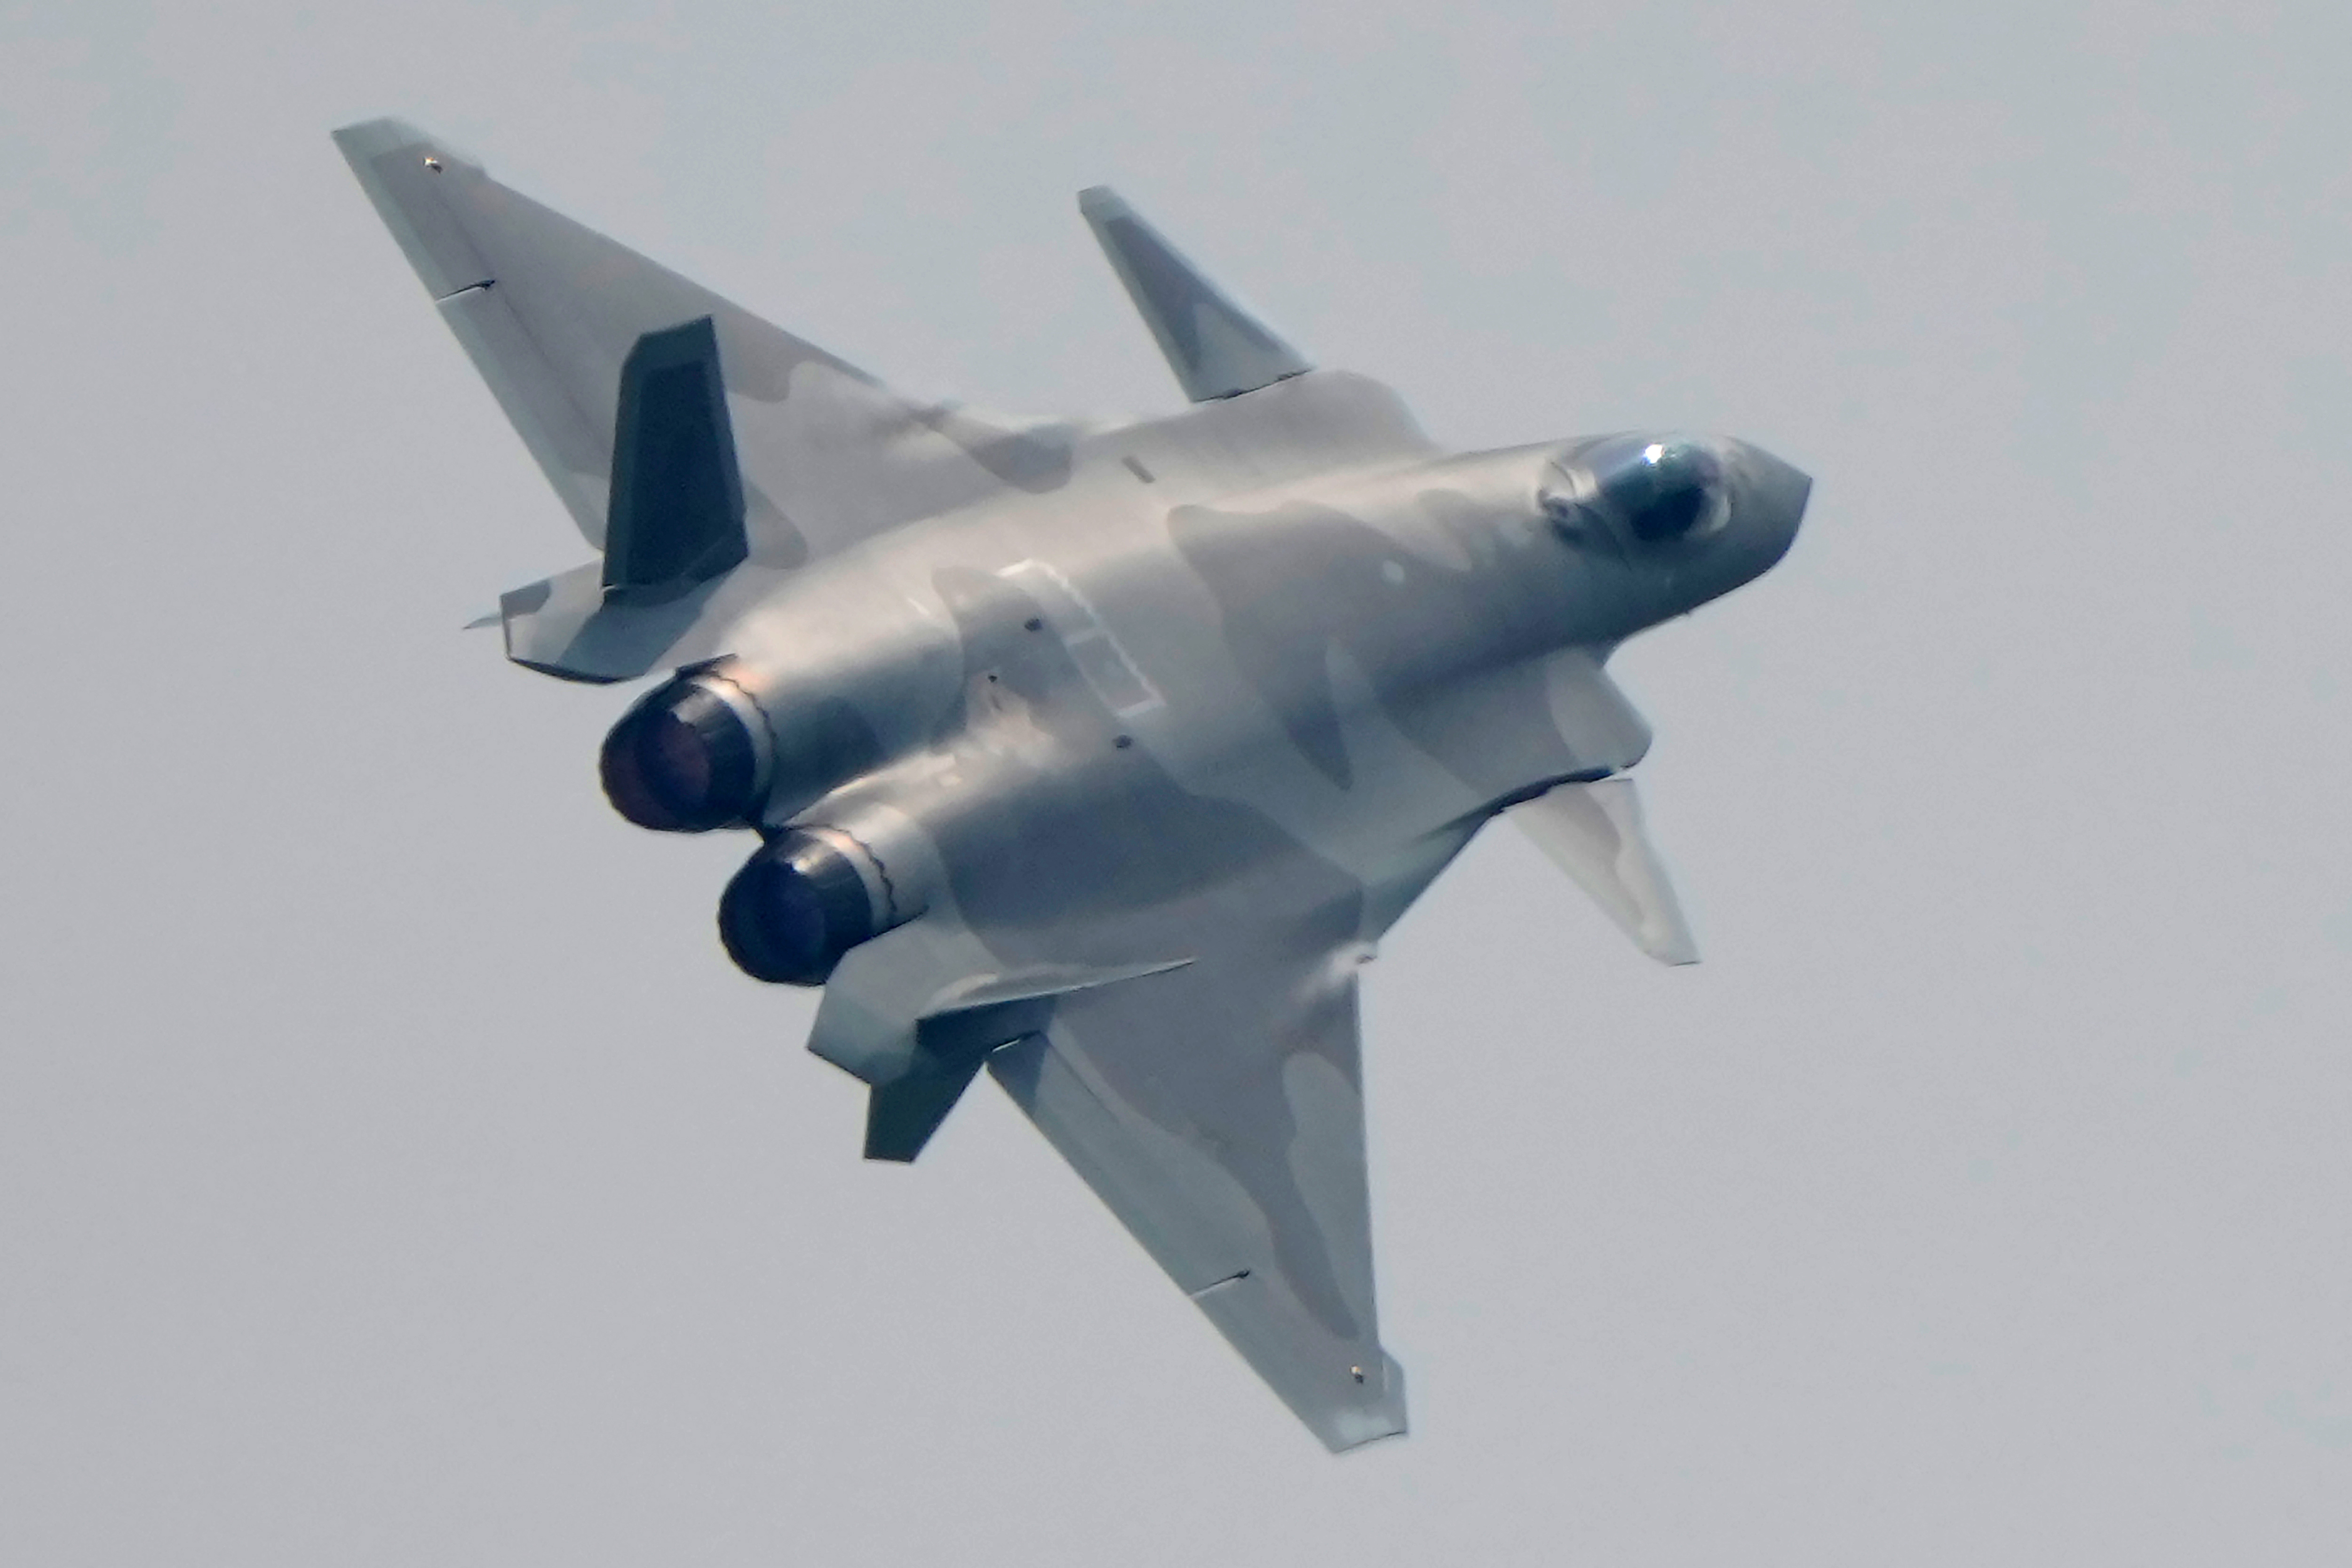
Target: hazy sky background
<point>392,1170</point>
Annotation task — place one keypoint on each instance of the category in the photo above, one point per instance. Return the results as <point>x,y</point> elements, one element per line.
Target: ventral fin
<point>901,1115</point>
<point>888,1019</point>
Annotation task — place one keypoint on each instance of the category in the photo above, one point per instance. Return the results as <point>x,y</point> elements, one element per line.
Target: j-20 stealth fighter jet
<point>1097,757</point>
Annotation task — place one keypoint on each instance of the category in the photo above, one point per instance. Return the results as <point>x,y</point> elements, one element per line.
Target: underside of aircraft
<point>1096,757</point>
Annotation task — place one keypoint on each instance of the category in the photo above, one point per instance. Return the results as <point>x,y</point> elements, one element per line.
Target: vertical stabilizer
<point>677,498</point>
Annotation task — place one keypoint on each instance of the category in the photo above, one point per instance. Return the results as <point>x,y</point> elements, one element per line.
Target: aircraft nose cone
<point>1772,502</point>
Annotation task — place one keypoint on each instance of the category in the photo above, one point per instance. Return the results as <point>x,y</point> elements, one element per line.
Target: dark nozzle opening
<point>682,760</point>
<point>794,911</point>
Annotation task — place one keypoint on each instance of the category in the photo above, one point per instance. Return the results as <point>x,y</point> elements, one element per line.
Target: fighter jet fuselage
<point>1097,756</point>
<point>941,680</point>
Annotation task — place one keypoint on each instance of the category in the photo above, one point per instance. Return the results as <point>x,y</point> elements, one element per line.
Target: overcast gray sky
<point>392,1170</point>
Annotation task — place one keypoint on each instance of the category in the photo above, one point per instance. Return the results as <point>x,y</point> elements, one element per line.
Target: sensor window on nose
<point>1664,491</point>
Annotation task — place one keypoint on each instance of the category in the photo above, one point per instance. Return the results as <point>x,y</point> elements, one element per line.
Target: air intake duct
<point>804,900</point>
<point>693,756</point>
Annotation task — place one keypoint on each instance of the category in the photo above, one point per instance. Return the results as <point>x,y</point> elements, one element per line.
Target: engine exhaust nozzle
<point>691,756</point>
<point>809,896</point>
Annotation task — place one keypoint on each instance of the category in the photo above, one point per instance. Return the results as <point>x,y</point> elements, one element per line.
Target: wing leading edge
<point>551,311</point>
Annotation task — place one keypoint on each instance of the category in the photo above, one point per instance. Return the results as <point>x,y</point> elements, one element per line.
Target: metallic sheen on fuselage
<point>1097,756</point>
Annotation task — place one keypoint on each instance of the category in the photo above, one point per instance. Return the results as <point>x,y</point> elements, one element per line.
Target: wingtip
<point>1358,1445</point>
<point>1100,200</point>
<point>364,140</point>
<point>1380,1415</point>
<point>368,138</point>
<point>1665,933</point>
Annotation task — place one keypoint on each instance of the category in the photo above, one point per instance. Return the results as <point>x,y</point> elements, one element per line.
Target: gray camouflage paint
<point>1144,734</point>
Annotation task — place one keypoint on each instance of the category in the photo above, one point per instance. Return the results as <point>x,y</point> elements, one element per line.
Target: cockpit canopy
<point>1654,490</point>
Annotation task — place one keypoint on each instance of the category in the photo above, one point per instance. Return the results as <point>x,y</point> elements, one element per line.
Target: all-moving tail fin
<point>1216,348</point>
